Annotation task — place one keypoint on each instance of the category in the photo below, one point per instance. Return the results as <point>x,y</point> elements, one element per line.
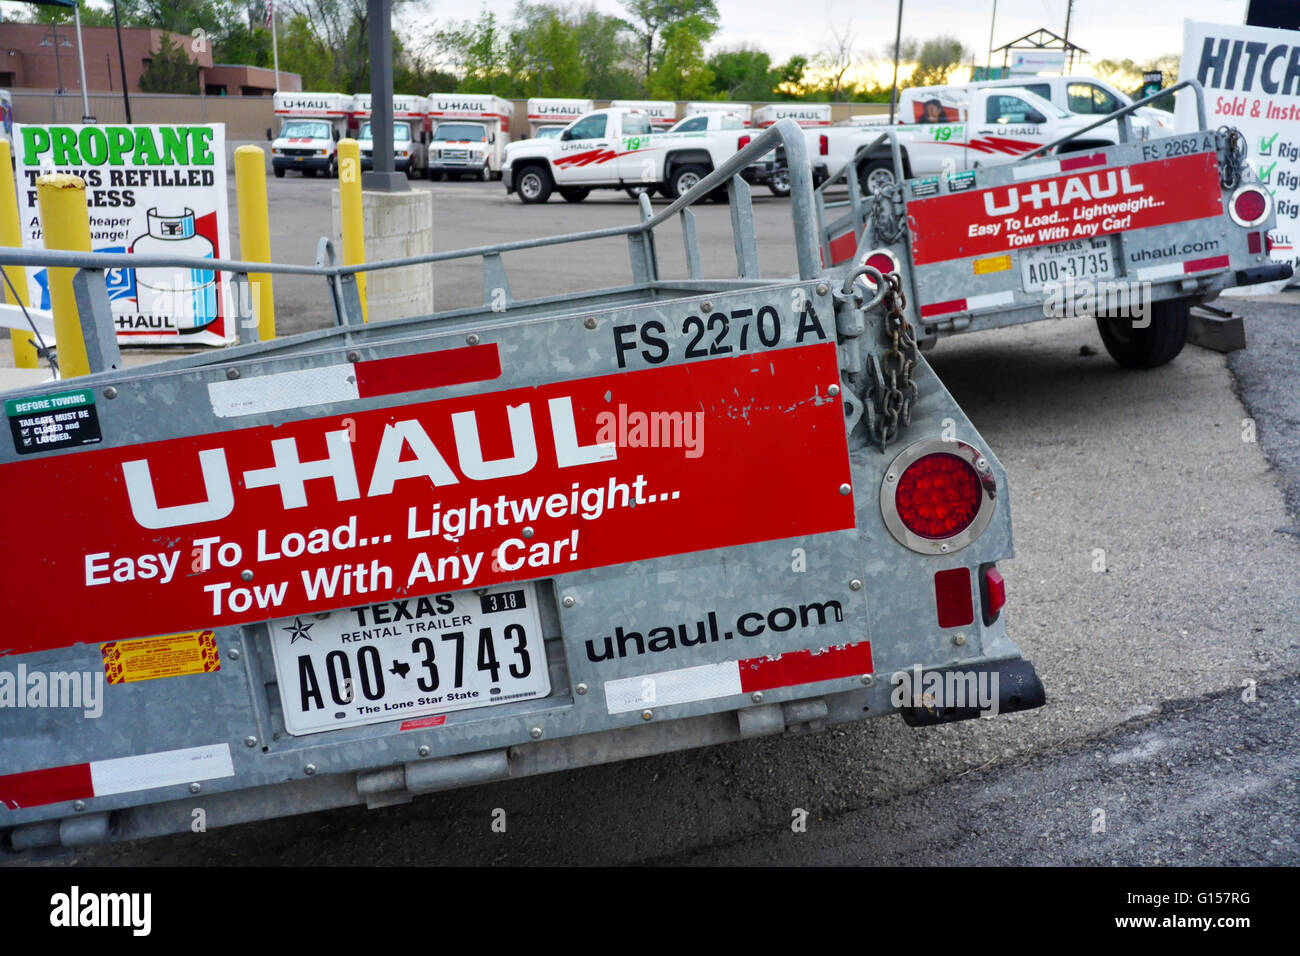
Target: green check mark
<point>1266,145</point>
<point>1266,172</point>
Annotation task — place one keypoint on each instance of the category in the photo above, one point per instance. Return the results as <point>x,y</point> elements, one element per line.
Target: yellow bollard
<point>65,221</point>
<point>255,233</point>
<point>11,234</point>
<point>354,228</point>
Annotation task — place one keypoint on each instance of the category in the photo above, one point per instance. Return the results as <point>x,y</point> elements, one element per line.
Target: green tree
<point>681,73</point>
<point>170,70</point>
<point>652,20</point>
<point>789,77</point>
<point>935,61</point>
<point>742,74</point>
<point>546,56</point>
<point>479,52</point>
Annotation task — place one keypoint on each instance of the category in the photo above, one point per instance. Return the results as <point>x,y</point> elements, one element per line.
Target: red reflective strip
<point>1203,265</point>
<point>943,308</point>
<point>805,667</point>
<point>422,722</point>
<point>842,248</point>
<point>36,788</point>
<point>1081,162</point>
<point>952,597</point>
<point>1254,244</point>
<point>995,590</point>
<point>410,373</point>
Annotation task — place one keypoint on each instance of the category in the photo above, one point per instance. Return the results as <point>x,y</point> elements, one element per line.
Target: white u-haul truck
<point>546,116</point>
<point>469,135</point>
<point>311,125</point>
<point>409,133</point>
<point>805,114</point>
<point>743,110</point>
<point>662,113</point>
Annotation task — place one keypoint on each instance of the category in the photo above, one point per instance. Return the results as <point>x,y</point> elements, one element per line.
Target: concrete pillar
<point>397,224</point>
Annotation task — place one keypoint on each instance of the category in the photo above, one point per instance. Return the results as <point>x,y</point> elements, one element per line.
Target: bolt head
<point>195,787</point>
<point>471,339</point>
<point>581,689</point>
<point>354,356</point>
<point>568,600</point>
<point>590,322</point>
<point>246,575</point>
<point>535,733</point>
<point>250,741</point>
<point>233,654</point>
<point>959,640</point>
<point>855,585</point>
<point>868,680</point>
<point>528,532</point>
<point>833,391</point>
<point>757,697</point>
<point>822,288</point>
<point>110,392</point>
<point>845,488</point>
<point>647,715</point>
<point>309,769</point>
<point>706,307</point>
<point>79,805</point>
<point>943,547</point>
<point>424,750</point>
<point>232,373</point>
<point>982,464</point>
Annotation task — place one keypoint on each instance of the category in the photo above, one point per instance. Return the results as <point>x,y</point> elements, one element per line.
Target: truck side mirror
<point>1036,117</point>
<point>336,136</point>
<point>424,137</point>
<point>268,134</point>
<point>567,134</point>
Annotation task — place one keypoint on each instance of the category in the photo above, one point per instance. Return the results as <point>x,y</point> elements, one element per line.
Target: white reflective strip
<point>283,390</point>
<point>1161,272</point>
<point>1030,170</point>
<point>977,303</point>
<point>680,686</point>
<point>165,769</point>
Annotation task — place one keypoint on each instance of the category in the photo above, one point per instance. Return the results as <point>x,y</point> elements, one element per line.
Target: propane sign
<point>151,190</point>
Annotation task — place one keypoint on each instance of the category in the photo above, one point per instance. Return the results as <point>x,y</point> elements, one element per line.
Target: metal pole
<point>81,64</point>
<point>275,46</point>
<point>382,174</point>
<point>1069,9</point>
<point>988,66</point>
<point>121,60</point>
<point>898,39</point>
<point>58,64</point>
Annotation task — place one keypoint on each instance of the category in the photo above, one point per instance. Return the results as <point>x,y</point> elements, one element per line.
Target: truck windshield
<point>401,132</point>
<point>305,129</point>
<point>460,131</point>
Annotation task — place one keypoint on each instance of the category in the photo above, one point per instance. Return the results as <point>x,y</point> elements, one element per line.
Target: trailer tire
<point>574,193</point>
<point>1152,346</point>
<point>534,185</point>
<point>876,174</point>
<point>683,178</point>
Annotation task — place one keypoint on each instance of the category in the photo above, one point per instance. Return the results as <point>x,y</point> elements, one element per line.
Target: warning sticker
<point>45,422</point>
<point>172,655</point>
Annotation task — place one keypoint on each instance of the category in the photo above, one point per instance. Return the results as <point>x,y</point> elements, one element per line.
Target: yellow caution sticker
<point>172,655</point>
<point>992,264</point>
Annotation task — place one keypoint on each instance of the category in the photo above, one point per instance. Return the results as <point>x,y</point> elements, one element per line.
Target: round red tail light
<point>938,496</point>
<point>1249,206</point>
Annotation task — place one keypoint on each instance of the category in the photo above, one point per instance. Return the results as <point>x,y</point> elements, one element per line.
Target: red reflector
<point>952,597</point>
<point>1253,244</point>
<point>1268,243</point>
<point>994,592</point>
<point>938,496</point>
<point>1249,205</point>
<point>824,146</point>
<point>881,262</point>
<point>742,142</point>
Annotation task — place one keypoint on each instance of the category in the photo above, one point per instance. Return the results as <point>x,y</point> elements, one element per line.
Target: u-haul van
<point>743,110</point>
<point>409,134</point>
<point>311,124</point>
<point>662,113</point>
<point>552,112</point>
<point>469,134</point>
<point>805,114</point>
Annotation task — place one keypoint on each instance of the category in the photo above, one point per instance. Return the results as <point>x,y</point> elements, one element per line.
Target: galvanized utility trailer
<point>358,564</point>
<point>1134,235</point>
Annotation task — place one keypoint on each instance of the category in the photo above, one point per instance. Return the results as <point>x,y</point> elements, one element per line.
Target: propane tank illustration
<point>188,296</point>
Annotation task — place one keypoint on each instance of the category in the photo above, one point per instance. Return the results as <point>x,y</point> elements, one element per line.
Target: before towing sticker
<point>62,420</point>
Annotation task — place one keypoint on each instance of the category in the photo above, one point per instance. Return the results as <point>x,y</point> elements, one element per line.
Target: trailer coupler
<point>943,695</point>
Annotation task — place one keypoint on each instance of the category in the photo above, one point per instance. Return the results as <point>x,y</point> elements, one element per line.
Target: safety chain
<point>1232,155</point>
<point>886,223</point>
<point>893,390</point>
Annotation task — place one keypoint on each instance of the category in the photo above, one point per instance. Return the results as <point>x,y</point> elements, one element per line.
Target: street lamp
<point>52,38</point>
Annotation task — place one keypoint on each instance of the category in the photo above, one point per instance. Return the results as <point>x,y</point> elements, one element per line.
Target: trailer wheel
<point>683,178</point>
<point>876,175</point>
<point>1148,347</point>
<point>534,185</point>
<point>574,193</point>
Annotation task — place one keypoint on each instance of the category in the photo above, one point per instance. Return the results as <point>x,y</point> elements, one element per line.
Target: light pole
<point>121,61</point>
<point>383,174</point>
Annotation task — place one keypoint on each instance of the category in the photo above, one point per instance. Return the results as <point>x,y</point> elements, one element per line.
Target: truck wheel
<point>1152,346</point>
<point>279,172</point>
<point>780,184</point>
<point>683,178</point>
<point>534,185</point>
<point>333,171</point>
<point>574,193</point>
<point>876,175</point>
<point>486,175</point>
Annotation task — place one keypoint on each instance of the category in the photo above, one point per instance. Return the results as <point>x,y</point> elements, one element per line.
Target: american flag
<point>270,12</point>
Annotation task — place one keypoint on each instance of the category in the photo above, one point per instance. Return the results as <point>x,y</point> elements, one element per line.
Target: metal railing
<point>96,315</point>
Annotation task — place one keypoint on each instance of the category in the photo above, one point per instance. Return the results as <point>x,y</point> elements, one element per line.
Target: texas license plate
<point>1074,261</point>
<point>410,657</point>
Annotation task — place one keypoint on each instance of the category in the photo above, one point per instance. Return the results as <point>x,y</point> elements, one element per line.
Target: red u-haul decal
<point>1082,204</point>
<point>319,513</point>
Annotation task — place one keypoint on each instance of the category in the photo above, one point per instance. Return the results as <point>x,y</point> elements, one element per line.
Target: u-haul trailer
<point>469,135</point>
<point>662,113</point>
<point>546,112</point>
<point>743,110</point>
<point>311,124</point>
<point>360,564</point>
<point>805,114</point>
<point>410,135</point>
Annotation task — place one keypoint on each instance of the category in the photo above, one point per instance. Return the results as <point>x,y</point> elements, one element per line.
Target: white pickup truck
<point>955,128</point>
<point>616,149</point>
